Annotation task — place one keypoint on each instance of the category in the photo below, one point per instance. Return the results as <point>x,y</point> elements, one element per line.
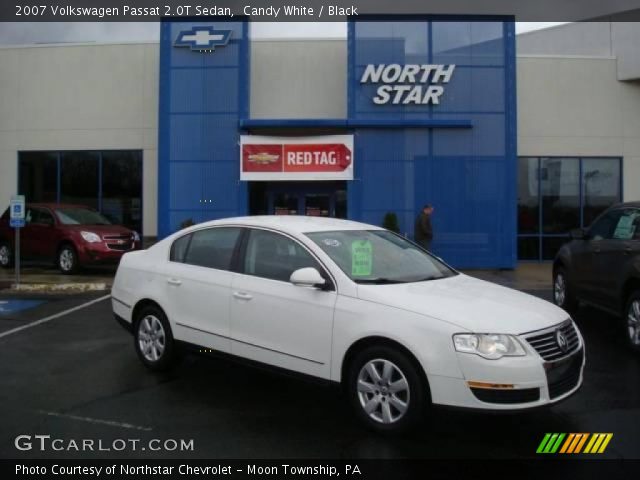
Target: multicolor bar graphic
<point>574,443</point>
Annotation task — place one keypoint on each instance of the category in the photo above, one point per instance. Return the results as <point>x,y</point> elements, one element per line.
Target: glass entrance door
<point>314,199</point>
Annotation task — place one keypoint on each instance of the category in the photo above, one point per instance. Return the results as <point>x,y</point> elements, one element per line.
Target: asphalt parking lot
<point>77,377</point>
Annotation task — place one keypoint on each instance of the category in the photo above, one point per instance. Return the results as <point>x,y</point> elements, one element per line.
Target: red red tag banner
<point>312,158</point>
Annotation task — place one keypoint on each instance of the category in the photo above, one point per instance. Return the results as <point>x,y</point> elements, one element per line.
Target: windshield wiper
<point>378,281</point>
<point>431,277</point>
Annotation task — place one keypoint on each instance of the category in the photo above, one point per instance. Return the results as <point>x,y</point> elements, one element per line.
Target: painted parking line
<point>98,421</point>
<point>52,317</point>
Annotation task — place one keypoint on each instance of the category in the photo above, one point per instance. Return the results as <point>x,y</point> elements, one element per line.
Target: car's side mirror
<point>578,234</point>
<point>307,277</point>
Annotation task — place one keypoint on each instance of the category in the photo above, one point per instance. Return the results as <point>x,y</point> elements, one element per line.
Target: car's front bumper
<point>100,253</point>
<point>510,383</point>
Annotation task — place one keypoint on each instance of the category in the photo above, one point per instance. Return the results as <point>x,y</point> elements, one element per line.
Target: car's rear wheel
<point>562,294</point>
<point>67,260</point>
<point>386,390</point>
<point>6,255</point>
<point>153,339</point>
<point>632,321</point>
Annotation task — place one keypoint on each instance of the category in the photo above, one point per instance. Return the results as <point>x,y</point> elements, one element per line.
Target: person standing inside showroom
<point>423,232</point>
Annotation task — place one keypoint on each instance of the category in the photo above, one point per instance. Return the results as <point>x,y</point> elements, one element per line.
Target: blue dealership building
<point>432,120</point>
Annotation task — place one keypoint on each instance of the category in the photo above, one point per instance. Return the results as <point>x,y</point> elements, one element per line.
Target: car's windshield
<point>80,216</point>
<point>379,257</point>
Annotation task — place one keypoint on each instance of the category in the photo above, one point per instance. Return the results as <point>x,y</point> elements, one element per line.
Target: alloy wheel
<point>559,289</point>
<point>66,260</point>
<point>633,323</point>
<point>383,391</point>
<point>151,338</point>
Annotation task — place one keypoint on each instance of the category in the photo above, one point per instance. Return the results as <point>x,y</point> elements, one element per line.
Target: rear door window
<point>212,247</point>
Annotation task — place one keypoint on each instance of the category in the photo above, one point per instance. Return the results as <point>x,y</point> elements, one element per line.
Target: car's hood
<point>474,305</point>
<point>102,230</point>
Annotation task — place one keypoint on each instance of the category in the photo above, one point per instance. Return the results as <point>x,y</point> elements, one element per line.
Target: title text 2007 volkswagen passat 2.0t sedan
<point>349,303</point>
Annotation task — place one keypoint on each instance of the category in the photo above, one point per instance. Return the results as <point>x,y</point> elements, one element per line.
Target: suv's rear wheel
<point>153,338</point>
<point>632,321</point>
<point>562,294</point>
<point>6,255</point>
<point>67,260</point>
<point>386,389</point>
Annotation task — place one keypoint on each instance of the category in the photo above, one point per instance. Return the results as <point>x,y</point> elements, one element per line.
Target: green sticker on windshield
<point>361,258</point>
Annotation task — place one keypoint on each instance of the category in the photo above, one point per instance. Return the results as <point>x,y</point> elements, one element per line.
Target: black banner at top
<point>311,10</point>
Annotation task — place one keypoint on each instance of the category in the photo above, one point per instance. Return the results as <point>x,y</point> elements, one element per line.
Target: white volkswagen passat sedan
<point>349,303</point>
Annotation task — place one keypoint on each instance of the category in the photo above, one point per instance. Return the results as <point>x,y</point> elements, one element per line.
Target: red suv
<point>71,235</point>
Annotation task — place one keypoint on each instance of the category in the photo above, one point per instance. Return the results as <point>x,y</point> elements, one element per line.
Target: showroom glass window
<point>557,194</point>
<point>109,181</point>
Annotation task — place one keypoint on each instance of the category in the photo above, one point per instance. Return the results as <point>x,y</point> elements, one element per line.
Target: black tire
<point>6,255</point>
<point>566,301</point>
<point>145,318</point>
<point>67,260</point>
<point>416,398</point>
<point>631,321</point>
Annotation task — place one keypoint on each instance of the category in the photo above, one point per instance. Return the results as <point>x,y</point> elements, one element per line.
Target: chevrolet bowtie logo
<point>203,38</point>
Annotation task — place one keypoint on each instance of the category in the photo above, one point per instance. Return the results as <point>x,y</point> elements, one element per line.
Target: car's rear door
<point>274,321</point>
<point>197,286</point>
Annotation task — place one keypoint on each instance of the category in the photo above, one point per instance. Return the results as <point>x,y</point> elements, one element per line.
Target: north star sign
<point>411,84</point>
<point>203,39</point>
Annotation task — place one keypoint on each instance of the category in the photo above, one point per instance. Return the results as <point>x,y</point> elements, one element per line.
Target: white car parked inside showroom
<point>349,303</point>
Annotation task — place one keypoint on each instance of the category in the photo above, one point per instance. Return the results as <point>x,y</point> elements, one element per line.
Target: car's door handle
<point>627,250</point>
<point>242,296</point>
<point>174,281</point>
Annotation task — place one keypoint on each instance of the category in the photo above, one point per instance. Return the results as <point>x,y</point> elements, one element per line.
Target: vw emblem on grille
<point>561,340</point>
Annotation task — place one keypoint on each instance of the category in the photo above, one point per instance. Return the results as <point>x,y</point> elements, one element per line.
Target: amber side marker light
<point>492,386</point>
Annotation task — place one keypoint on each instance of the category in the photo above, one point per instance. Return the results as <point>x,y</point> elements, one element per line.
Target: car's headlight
<point>90,237</point>
<point>488,345</point>
<point>136,236</point>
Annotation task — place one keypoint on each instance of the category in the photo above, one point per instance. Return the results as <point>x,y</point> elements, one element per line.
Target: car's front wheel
<point>562,294</point>
<point>386,390</point>
<point>67,260</point>
<point>153,338</point>
<point>632,321</point>
<point>6,255</point>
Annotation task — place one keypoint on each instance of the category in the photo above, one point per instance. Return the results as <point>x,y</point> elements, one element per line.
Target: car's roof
<point>293,223</point>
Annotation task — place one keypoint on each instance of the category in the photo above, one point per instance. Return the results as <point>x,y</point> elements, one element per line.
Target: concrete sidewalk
<point>527,276</point>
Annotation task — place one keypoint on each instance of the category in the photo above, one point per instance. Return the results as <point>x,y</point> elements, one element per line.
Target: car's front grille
<point>120,247</point>
<point>523,395</point>
<point>118,236</point>
<point>563,376</point>
<point>555,343</point>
